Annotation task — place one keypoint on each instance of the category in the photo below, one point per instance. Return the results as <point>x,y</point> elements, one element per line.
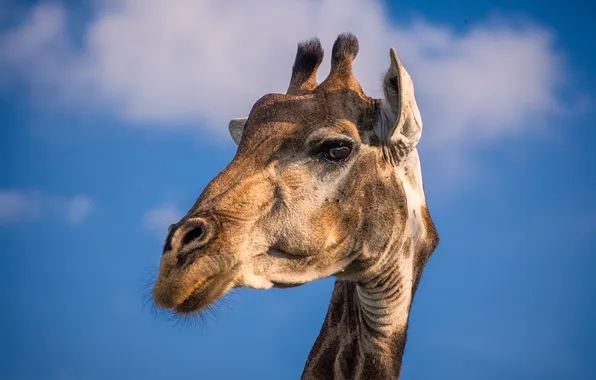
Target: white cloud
<point>178,62</point>
<point>15,206</point>
<point>18,206</point>
<point>159,218</point>
<point>78,208</point>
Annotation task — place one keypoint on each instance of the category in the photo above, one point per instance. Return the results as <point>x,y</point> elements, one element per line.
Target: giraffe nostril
<point>194,234</point>
<point>191,233</point>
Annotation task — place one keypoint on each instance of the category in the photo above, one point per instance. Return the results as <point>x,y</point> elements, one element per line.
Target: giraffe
<point>326,181</point>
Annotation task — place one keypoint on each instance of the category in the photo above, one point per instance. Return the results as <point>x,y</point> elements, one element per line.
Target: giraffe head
<point>325,181</point>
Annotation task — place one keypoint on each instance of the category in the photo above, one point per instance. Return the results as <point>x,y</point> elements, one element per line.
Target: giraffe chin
<point>206,294</point>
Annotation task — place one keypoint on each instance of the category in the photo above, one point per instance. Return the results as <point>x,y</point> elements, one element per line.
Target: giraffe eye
<point>336,151</point>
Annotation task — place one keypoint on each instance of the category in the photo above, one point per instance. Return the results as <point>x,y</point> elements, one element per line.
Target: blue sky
<point>113,118</point>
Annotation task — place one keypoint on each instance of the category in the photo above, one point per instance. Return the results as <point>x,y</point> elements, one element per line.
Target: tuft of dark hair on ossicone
<point>309,56</point>
<point>345,49</point>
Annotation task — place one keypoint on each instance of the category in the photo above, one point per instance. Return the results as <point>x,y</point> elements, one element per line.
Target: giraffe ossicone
<point>326,181</point>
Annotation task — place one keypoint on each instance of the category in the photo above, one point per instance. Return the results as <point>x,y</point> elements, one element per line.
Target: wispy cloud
<point>174,63</point>
<point>78,208</point>
<point>19,206</point>
<point>15,206</point>
<point>159,218</point>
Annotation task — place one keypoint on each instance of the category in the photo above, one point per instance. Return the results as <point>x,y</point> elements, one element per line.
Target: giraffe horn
<point>304,72</point>
<point>345,50</point>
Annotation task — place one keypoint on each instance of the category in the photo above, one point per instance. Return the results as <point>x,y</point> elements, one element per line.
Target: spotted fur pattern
<point>283,213</point>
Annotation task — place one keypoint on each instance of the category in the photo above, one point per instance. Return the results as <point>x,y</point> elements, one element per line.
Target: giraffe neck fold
<point>365,329</point>
<point>364,332</point>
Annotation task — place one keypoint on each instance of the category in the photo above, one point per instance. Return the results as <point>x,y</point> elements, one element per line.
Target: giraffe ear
<point>236,127</point>
<point>401,122</point>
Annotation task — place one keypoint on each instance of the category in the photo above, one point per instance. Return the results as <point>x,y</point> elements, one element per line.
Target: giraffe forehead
<point>287,115</point>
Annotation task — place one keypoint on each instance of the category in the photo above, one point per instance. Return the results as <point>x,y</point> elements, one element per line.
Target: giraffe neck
<point>365,329</point>
<point>363,335</point>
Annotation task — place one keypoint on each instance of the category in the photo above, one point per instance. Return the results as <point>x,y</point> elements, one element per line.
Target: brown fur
<point>282,215</point>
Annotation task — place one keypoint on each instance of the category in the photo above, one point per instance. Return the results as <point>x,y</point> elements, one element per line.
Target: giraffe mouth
<point>207,292</point>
